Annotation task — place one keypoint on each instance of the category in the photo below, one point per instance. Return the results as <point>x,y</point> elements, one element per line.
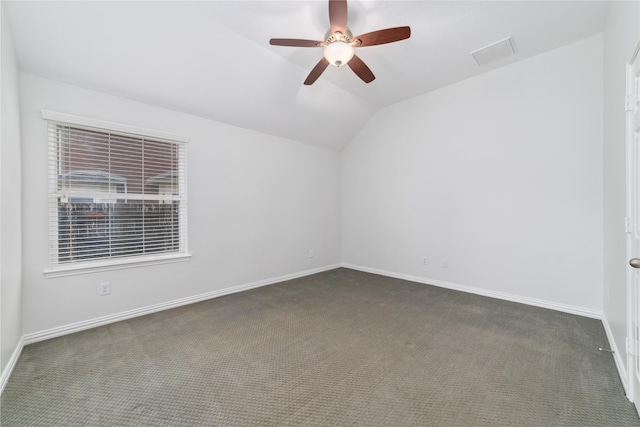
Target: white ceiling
<point>213,59</point>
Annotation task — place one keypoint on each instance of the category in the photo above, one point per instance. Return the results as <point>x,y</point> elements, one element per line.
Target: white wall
<point>257,205</point>
<point>621,35</point>
<point>500,174</point>
<point>10,204</point>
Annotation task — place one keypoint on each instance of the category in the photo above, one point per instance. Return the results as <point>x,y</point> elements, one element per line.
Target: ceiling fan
<point>339,44</point>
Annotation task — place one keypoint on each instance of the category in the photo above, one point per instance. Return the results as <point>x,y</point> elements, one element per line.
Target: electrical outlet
<point>425,260</point>
<point>311,254</point>
<point>105,288</point>
<point>445,263</point>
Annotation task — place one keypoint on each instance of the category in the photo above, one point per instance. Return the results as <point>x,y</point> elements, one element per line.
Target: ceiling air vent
<point>494,51</point>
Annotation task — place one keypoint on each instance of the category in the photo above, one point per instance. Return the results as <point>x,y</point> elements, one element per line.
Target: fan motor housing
<point>346,37</point>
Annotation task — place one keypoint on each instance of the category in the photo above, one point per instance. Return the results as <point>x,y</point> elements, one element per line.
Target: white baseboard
<point>580,311</point>
<point>622,371</point>
<point>6,373</point>
<point>92,323</point>
<point>112,318</point>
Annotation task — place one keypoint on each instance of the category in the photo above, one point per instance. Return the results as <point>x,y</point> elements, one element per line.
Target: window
<point>114,197</point>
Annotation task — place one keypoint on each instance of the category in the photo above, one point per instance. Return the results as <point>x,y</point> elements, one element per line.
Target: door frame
<point>631,344</point>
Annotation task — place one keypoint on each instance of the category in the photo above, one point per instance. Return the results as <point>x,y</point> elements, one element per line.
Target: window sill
<point>95,267</point>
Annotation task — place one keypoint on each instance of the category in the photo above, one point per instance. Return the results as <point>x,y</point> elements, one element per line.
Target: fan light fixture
<point>339,44</point>
<point>338,53</point>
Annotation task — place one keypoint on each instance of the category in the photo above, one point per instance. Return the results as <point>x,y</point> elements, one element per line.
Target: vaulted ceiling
<point>213,59</point>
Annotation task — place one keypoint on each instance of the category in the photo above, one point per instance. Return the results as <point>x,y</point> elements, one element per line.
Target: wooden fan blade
<point>296,42</point>
<point>361,69</point>
<point>338,15</point>
<point>388,35</point>
<point>317,71</point>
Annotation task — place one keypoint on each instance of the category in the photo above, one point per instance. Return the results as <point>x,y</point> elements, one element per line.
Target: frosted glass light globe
<point>338,53</point>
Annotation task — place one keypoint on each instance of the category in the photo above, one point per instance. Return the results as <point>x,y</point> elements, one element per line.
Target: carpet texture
<point>337,348</point>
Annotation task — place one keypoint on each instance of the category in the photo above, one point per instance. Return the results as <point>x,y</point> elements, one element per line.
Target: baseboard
<point>580,311</point>
<point>92,323</point>
<point>622,371</point>
<point>105,320</point>
<point>6,373</point>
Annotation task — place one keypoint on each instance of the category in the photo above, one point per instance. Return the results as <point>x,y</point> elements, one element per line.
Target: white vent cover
<point>494,51</point>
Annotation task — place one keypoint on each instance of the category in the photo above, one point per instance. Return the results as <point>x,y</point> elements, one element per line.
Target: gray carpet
<point>337,348</point>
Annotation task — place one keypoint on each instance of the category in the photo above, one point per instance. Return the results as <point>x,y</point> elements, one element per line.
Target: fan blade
<point>296,42</point>
<point>361,69</point>
<point>338,16</point>
<point>317,70</point>
<point>388,35</point>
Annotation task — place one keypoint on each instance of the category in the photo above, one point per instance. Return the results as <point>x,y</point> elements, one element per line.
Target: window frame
<point>73,268</point>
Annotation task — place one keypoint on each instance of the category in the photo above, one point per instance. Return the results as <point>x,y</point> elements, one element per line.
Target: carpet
<point>339,348</point>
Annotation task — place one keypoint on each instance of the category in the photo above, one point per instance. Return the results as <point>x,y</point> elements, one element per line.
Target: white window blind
<point>114,196</point>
